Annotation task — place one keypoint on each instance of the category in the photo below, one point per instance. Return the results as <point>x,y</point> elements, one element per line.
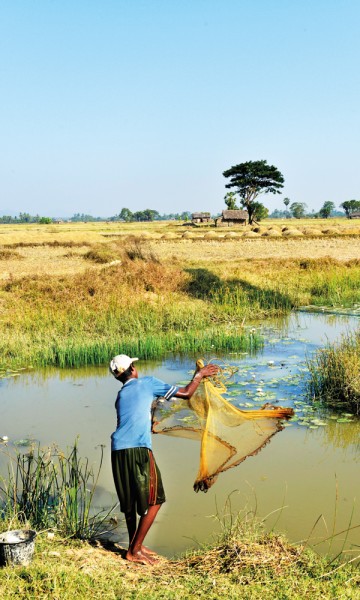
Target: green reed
<point>49,489</point>
<point>335,289</point>
<point>85,350</point>
<point>250,300</point>
<point>334,377</point>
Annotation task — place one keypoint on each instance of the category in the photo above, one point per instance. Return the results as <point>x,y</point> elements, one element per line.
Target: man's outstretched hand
<point>209,370</point>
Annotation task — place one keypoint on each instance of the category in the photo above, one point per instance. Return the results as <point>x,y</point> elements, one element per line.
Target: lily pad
<point>25,442</point>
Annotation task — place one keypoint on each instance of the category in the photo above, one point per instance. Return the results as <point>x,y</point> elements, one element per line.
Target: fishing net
<point>228,434</point>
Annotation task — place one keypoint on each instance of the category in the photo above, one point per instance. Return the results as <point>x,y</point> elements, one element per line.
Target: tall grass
<point>338,289</point>
<point>48,489</point>
<point>335,374</point>
<point>81,350</point>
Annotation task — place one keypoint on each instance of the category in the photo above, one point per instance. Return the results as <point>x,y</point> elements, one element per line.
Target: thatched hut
<point>232,218</point>
<point>355,214</point>
<point>201,217</point>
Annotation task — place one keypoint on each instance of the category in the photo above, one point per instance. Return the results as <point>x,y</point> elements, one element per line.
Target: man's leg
<point>135,552</point>
<point>131,523</point>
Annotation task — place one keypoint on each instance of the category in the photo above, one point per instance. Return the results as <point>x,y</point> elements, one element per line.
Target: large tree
<point>252,178</point>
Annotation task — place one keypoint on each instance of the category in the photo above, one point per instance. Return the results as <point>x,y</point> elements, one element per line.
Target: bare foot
<point>139,558</point>
<point>147,551</point>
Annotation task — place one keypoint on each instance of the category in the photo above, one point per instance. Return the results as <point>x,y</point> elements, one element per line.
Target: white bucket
<point>17,547</point>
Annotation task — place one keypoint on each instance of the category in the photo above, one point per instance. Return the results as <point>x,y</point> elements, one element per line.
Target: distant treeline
<point>297,210</point>
<point>124,215</point>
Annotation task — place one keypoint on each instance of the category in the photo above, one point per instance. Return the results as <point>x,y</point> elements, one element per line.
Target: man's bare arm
<point>187,391</point>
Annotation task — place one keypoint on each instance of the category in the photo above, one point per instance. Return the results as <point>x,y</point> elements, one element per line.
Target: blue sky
<point>144,103</point>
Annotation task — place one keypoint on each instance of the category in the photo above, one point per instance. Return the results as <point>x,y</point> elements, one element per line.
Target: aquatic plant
<point>49,489</point>
<point>334,374</point>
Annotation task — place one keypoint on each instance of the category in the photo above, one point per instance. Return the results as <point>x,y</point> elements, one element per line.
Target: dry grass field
<point>71,248</point>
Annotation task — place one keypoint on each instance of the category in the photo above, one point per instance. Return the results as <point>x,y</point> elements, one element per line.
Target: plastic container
<point>17,547</point>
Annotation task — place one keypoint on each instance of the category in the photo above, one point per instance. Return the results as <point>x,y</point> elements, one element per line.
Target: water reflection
<point>342,436</point>
<point>300,470</point>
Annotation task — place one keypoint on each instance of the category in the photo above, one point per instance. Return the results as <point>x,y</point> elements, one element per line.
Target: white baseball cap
<point>120,363</point>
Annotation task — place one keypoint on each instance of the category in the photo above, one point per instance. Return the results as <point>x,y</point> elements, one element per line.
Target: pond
<point>308,474</point>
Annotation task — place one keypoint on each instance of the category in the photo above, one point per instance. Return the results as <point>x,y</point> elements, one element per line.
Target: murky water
<point>308,473</point>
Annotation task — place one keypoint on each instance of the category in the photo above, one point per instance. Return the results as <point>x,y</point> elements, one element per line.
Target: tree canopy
<point>349,206</point>
<point>298,209</point>
<point>230,201</point>
<point>252,178</point>
<point>326,210</point>
<point>260,211</point>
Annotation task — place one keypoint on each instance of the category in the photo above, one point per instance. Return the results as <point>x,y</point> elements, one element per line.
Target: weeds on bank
<point>244,563</point>
<point>50,490</point>
<point>334,374</point>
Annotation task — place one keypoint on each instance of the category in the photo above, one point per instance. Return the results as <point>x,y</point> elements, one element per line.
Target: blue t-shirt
<point>133,409</point>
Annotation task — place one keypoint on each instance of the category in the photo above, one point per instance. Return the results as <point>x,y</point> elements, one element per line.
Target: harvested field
<point>43,260</point>
<point>62,250</point>
<point>257,248</point>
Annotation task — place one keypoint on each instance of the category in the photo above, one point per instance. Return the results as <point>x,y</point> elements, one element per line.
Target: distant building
<point>201,217</point>
<point>355,214</point>
<point>232,218</point>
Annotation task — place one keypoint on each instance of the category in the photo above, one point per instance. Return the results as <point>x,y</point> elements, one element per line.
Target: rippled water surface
<point>309,470</point>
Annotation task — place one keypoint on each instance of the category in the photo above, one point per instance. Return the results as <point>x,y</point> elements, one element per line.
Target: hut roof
<point>355,213</point>
<point>235,215</point>
<point>200,215</point>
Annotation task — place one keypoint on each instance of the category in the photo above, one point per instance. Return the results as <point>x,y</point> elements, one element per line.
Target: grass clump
<point>335,374</point>
<point>9,254</point>
<point>137,250</point>
<point>101,254</point>
<point>49,489</point>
